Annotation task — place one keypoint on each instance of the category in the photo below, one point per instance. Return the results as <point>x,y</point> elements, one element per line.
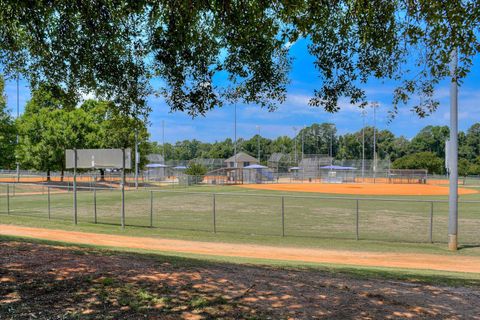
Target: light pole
<point>18,114</point>
<point>364,113</point>
<point>453,156</point>
<point>136,159</point>
<point>295,144</point>
<point>331,143</point>
<point>374,106</point>
<point>235,136</point>
<point>258,143</point>
<point>163,142</point>
<point>303,141</point>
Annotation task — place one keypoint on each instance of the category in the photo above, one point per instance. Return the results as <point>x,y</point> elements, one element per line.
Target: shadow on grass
<point>46,279</point>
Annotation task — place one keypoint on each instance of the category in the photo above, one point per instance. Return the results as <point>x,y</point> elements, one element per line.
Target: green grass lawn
<point>252,216</point>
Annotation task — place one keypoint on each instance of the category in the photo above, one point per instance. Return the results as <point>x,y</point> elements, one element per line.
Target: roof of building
<point>241,157</point>
<point>155,158</point>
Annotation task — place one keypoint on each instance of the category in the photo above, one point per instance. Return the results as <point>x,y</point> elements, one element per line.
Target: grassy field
<point>255,216</point>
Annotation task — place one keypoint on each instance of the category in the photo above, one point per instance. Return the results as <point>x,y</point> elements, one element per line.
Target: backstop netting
<point>407,176</point>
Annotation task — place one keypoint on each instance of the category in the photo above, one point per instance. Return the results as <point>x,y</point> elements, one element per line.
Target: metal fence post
<point>8,199</point>
<point>48,197</point>
<point>283,216</point>
<point>95,205</point>
<point>357,219</point>
<point>151,209</point>
<point>214,215</point>
<point>431,222</point>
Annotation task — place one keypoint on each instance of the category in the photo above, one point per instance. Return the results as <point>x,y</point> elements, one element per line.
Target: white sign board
<point>98,158</point>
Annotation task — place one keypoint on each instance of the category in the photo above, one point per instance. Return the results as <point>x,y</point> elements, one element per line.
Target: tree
<point>8,132</point>
<point>46,134</point>
<point>110,128</point>
<point>464,167</point>
<point>472,141</point>
<point>431,138</point>
<point>421,160</point>
<point>196,169</point>
<point>350,147</point>
<point>318,138</point>
<point>113,48</point>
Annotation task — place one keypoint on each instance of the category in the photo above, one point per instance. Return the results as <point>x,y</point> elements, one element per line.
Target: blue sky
<point>295,112</point>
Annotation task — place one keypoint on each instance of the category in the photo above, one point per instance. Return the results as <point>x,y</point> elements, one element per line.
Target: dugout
<point>408,176</point>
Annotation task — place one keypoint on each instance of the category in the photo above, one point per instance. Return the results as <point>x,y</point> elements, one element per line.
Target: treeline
<point>426,150</point>
<point>54,121</point>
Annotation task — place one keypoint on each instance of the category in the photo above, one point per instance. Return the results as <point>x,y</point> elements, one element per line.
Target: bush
<point>421,160</point>
<point>195,169</point>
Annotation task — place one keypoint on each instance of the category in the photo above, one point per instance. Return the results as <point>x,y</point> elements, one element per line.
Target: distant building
<point>235,173</point>
<point>156,168</point>
<point>155,158</point>
<point>242,159</point>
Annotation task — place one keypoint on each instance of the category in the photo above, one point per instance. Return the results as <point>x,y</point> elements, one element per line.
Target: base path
<point>377,189</point>
<point>452,263</point>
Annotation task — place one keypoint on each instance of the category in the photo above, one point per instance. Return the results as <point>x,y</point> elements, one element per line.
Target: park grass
<point>433,277</point>
<point>254,216</point>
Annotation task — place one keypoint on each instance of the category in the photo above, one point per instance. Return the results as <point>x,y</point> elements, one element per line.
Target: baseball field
<point>358,238</point>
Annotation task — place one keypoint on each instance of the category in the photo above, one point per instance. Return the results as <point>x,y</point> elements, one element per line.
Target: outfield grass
<point>309,220</point>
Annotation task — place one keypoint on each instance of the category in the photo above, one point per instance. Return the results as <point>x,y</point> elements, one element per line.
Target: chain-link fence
<point>406,220</point>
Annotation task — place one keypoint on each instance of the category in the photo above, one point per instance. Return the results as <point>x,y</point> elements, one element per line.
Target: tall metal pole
<point>331,141</point>
<point>364,113</point>
<point>295,144</point>
<point>235,136</point>
<point>453,159</point>
<point>303,141</point>
<point>75,186</point>
<point>163,142</point>
<point>258,142</point>
<point>123,189</point>
<point>18,114</point>
<point>136,159</point>
<point>374,105</point>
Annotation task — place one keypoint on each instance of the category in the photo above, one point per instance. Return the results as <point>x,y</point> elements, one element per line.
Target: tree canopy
<point>52,123</point>
<point>208,52</point>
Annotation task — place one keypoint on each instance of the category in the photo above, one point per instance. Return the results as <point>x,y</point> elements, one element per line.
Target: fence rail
<point>386,219</point>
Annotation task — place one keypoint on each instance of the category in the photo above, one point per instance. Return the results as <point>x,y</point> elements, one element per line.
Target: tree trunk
<point>62,175</point>
<point>102,175</point>
<point>48,175</point>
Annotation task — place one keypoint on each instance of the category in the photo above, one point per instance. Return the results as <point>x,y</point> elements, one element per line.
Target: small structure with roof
<point>241,160</point>
<point>156,168</point>
<point>337,174</point>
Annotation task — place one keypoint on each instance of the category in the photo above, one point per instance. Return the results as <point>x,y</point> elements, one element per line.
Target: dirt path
<point>372,259</point>
<point>51,282</point>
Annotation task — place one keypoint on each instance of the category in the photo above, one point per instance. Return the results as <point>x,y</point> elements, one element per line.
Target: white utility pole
<point>235,137</point>
<point>258,143</point>
<point>295,144</point>
<point>137,160</point>
<point>453,156</point>
<point>364,113</point>
<point>163,142</point>
<point>303,141</point>
<point>18,115</point>
<point>374,106</point>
